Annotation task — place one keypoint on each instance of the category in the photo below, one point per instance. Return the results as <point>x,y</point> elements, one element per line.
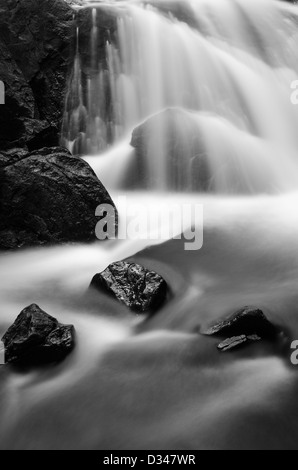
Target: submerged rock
<point>236,342</point>
<point>36,337</point>
<point>172,136</point>
<point>138,288</point>
<point>246,321</point>
<point>46,197</point>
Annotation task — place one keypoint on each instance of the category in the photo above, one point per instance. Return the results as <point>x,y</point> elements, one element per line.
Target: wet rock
<point>48,197</point>
<point>36,337</point>
<point>173,136</point>
<point>236,342</point>
<point>35,57</point>
<point>82,119</point>
<point>135,286</point>
<point>246,321</point>
<point>30,329</point>
<point>106,23</point>
<point>58,344</point>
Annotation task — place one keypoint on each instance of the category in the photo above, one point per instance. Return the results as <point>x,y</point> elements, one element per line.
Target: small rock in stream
<point>135,286</point>
<point>35,338</point>
<point>246,321</point>
<point>236,342</point>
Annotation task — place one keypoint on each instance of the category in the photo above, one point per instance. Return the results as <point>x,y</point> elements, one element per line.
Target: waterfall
<point>208,82</point>
<point>171,96</point>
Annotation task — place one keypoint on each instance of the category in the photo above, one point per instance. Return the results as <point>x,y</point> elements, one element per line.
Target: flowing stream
<point>215,76</point>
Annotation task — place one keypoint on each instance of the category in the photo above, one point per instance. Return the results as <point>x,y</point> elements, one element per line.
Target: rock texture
<point>47,196</point>
<point>135,286</point>
<point>35,56</point>
<point>246,321</point>
<point>174,136</point>
<point>82,115</point>
<point>236,342</point>
<point>36,337</point>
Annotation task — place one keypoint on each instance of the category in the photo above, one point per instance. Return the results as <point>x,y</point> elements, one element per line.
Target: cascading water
<point>210,80</point>
<point>224,66</point>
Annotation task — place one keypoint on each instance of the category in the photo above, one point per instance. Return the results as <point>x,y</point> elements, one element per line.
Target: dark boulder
<point>246,321</point>
<point>48,196</point>
<point>172,136</point>
<point>36,38</point>
<point>236,342</point>
<point>138,288</point>
<point>36,337</point>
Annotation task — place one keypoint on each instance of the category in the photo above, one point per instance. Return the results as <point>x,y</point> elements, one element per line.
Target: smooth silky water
<point>224,68</point>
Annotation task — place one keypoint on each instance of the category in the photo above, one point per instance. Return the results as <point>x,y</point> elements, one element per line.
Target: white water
<point>137,383</point>
<point>228,66</point>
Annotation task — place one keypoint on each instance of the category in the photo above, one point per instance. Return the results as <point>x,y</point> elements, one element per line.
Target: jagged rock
<point>173,136</point>
<point>58,343</point>
<point>36,337</point>
<point>236,342</point>
<point>246,321</point>
<point>36,39</point>
<point>135,286</point>
<point>48,196</point>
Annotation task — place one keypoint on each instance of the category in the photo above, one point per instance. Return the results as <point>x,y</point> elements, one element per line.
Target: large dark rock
<point>135,286</point>
<point>246,321</point>
<point>171,136</point>
<point>36,337</point>
<point>35,56</point>
<point>48,196</point>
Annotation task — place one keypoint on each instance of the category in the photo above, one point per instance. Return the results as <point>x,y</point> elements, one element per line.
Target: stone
<point>138,288</point>
<point>57,344</point>
<point>48,197</point>
<point>236,342</point>
<point>246,321</point>
<point>172,135</point>
<point>36,337</point>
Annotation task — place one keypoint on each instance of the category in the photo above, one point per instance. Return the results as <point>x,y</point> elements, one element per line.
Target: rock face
<point>172,136</point>
<point>246,321</point>
<point>48,196</point>
<point>35,55</point>
<point>36,337</point>
<point>88,123</point>
<point>135,286</point>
